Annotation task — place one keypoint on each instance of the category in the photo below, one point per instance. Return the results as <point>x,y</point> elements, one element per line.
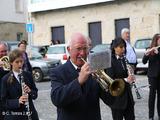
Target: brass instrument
<point>115,87</point>
<point>24,93</point>
<point>132,73</point>
<point>5,60</point>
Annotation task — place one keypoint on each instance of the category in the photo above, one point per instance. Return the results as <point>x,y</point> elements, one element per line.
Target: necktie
<point>120,60</point>
<point>19,76</point>
<point>78,70</point>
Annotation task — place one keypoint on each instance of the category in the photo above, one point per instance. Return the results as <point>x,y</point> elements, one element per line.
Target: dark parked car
<point>41,49</point>
<point>140,47</point>
<point>100,47</point>
<point>41,65</point>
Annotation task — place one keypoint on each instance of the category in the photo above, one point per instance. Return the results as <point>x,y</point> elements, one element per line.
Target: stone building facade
<point>143,15</point>
<point>13,19</point>
<point>13,31</point>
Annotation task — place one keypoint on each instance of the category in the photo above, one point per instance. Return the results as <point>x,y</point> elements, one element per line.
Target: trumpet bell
<point>5,60</point>
<point>117,87</point>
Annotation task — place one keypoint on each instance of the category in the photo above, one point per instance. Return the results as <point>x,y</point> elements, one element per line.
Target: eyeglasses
<point>5,51</point>
<point>79,49</point>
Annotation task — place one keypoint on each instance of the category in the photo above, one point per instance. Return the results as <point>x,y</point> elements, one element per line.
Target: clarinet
<point>131,73</point>
<point>24,93</point>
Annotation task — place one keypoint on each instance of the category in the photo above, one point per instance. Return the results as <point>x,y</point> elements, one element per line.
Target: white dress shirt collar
<point>16,75</point>
<point>74,65</point>
<point>118,57</point>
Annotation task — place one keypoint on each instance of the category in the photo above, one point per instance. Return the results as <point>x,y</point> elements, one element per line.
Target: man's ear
<point>69,49</point>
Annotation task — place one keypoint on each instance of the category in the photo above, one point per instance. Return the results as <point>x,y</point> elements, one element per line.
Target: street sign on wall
<point>29,27</point>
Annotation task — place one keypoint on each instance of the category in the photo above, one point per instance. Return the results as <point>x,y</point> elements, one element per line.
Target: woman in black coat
<point>153,74</point>
<point>123,106</point>
<point>11,91</point>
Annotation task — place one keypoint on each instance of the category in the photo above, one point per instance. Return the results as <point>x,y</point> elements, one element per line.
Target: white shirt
<point>118,57</point>
<point>74,65</point>
<point>130,54</point>
<point>16,75</point>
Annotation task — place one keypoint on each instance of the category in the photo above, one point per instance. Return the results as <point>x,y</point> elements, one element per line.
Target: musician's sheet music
<point>100,60</point>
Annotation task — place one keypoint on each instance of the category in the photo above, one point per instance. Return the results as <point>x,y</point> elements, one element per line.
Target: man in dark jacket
<point>74,93</point>
<point>3,52</point>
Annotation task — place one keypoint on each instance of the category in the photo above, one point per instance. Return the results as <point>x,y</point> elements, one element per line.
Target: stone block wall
<point>8,31</point>
<point>144,18</point>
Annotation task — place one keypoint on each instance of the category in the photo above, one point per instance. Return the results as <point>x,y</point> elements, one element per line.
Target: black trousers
<point>127,114</point>
<point>155,87</point>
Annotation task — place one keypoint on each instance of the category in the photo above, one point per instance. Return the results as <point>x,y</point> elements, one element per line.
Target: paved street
<point>47,111</point>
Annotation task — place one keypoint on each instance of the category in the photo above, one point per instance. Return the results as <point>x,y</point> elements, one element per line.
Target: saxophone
<point>24,93</point>
<point>132,73</point>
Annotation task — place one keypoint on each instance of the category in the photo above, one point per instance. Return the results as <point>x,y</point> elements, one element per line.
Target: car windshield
<point>35,54</point>
<point>142,44</point>
<point>35,48</point>
<point>101,47</point>
<point>56,50</point>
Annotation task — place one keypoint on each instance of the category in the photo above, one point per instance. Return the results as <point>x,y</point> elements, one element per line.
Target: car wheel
<point>37,76</point>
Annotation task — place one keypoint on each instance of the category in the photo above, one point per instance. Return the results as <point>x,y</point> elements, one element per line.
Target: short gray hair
<point>2,43</point>
<point>70,41</point>
<point>124,30</point>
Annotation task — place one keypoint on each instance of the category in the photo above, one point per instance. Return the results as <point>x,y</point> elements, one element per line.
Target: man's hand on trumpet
<point>84,73</point>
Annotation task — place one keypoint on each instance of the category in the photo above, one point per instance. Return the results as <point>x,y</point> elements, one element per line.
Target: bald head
<point>76,36</point>
<point>78,47</point>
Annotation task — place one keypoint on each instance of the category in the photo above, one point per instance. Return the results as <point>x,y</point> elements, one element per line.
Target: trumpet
<point>147,51</point>
<point>116,87</point>
<point>5,65</point>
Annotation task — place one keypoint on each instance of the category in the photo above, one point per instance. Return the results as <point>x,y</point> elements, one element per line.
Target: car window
<point>43,49</point>
<point>12,47</point>
<point>99,48</point>
<point>142,44</point>
<point>35,48</point>
<point>35,54</point>
<point>56,50</point>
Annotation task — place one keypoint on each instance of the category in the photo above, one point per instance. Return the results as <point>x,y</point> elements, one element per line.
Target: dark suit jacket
<point>2,73</point>
<point>11,92</point>
<point>154,64</point>
<point>28,64</point>
<point>71,102</point>
<point>116,71</point>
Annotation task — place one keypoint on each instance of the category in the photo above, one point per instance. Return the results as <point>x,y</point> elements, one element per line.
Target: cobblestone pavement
<point>47,111</point>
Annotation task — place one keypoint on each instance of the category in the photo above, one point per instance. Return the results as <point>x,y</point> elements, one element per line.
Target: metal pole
<point>31,41</point>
